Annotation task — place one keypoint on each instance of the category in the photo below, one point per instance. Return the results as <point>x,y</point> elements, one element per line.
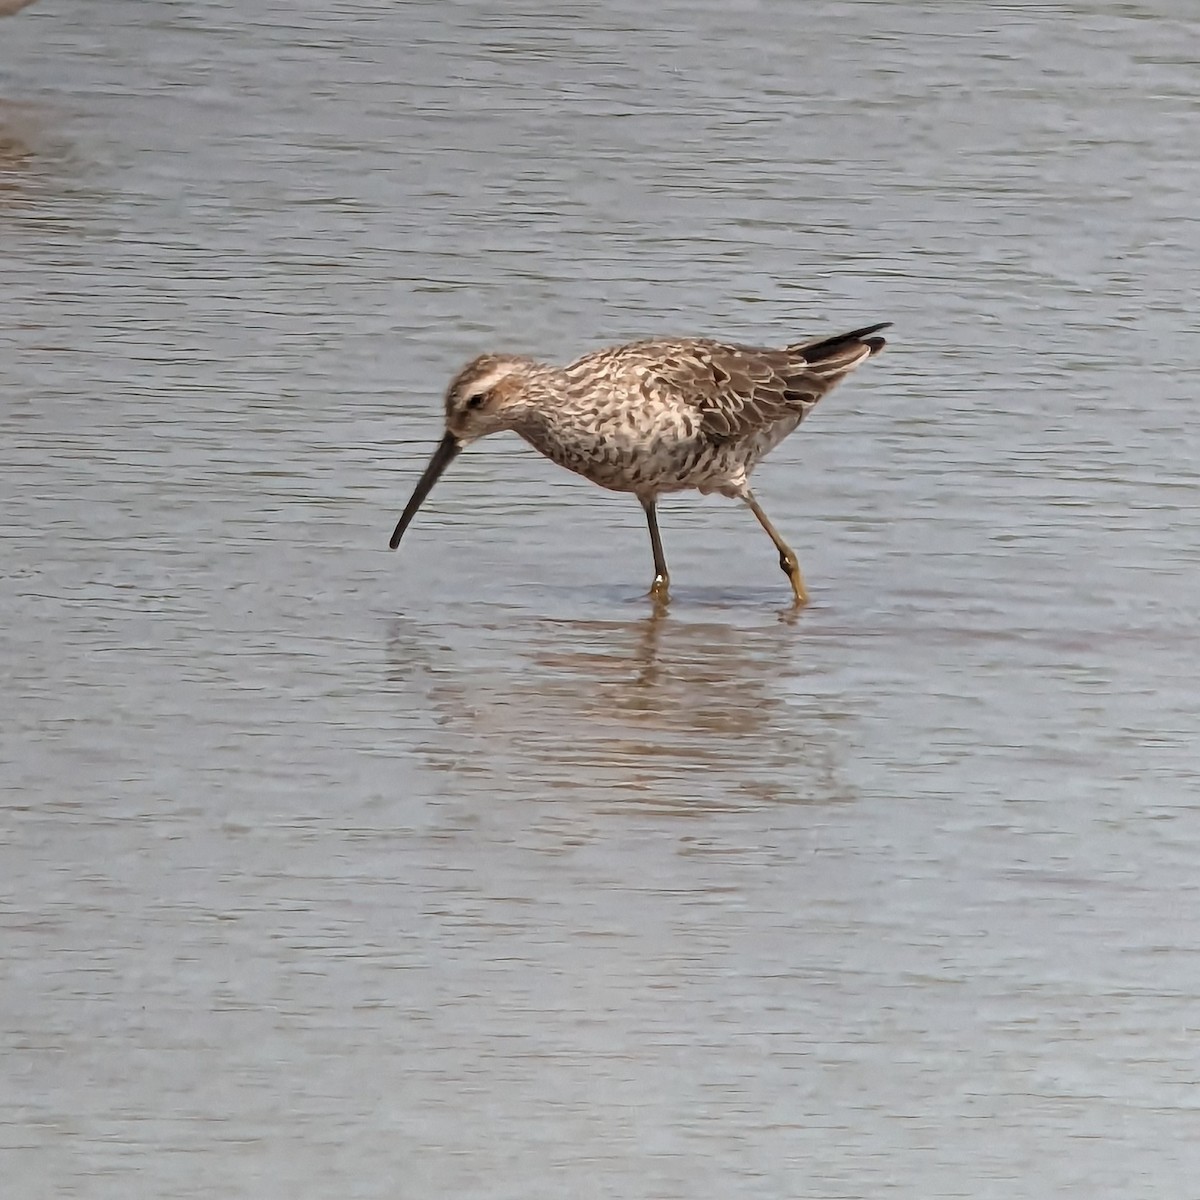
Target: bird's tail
<point>831,358</point>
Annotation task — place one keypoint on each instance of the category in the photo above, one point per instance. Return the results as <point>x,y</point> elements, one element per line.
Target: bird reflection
<point>690,715</point>
<point>29,155</point>
<point>16,155</point>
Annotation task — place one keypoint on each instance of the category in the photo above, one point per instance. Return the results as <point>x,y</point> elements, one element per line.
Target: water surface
<point>327,871</point>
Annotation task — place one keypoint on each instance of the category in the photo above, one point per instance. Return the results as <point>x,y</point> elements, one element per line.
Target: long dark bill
<point>443,456</point>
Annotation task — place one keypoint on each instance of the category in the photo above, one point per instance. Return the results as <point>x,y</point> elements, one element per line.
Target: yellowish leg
<point>787,557</point>
<point>662,581</point>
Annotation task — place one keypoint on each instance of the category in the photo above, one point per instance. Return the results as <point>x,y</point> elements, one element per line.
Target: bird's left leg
<point>662,581</point>
<point>787,557</point>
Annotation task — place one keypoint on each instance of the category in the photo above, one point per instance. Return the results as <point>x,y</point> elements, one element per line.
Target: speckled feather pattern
<point>659,415</point>
<point>651,417</point>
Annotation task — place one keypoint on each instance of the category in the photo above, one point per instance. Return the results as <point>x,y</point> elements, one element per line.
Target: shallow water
<point>327,871</point>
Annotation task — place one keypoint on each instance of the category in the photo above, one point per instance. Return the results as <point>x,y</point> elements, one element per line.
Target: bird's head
<point>484,397</point>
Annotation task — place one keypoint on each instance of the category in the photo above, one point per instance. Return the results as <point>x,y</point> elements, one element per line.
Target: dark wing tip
<point>825,347</point>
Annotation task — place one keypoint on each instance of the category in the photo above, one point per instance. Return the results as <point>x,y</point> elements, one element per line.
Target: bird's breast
<point>628,448</point>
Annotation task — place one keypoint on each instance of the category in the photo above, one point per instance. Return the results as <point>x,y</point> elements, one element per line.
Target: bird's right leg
<point>788,562</point>
<point>662,581</point>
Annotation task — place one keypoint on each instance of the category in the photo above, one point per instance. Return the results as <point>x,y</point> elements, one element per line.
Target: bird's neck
<point>548,420</point>
<point>536,411</point>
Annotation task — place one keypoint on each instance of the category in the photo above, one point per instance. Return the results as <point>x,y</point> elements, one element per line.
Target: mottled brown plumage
<point>650,417</point>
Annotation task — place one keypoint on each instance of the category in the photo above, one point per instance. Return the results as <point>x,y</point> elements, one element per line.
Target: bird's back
<point>733,390</point>
<point>668,413</point>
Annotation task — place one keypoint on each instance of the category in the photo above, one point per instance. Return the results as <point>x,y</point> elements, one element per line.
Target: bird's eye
<point>476,401</point>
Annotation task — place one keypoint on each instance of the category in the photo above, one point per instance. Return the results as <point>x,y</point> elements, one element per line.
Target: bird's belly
<point>651,457</point>
<point>651,465</point>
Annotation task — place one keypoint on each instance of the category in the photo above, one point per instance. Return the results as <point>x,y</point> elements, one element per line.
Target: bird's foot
<point>791,568</point>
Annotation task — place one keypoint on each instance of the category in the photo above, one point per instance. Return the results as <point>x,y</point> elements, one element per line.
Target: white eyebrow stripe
<point>485,383</point>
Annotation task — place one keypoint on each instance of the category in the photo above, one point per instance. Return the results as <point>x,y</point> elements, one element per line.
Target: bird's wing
<point>740,390</point>
<point>734,390</point>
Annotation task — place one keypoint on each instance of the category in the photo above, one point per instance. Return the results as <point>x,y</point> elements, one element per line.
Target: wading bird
<point>655,416</point>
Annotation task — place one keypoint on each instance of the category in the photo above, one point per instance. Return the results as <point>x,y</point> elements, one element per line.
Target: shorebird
<point>650,417</point>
